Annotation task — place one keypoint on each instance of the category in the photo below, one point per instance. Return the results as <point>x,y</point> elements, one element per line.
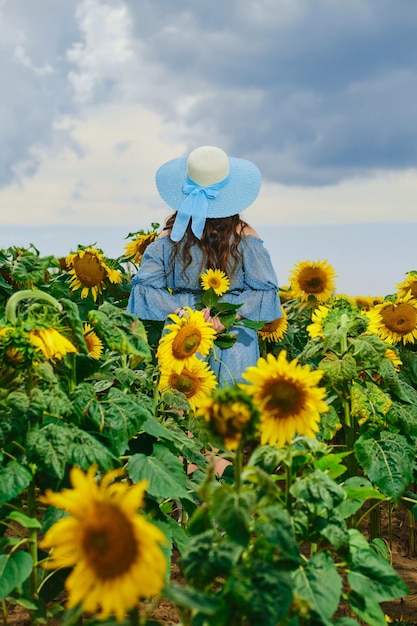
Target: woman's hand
<point>181,312</point>
<point>214,321</point>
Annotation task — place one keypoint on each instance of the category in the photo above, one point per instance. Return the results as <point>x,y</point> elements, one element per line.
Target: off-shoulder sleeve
<point>150,298</point>
<point>259,297</point>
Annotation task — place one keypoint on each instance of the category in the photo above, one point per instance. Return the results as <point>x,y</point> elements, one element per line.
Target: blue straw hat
<point>206,184</point>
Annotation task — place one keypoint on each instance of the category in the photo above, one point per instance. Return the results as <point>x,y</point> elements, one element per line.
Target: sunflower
<point>275,330</point>
<point>115,552</point>
<point>89,271</point>
<point>216,280</point>
<point>367,302</point>
<point>340,300</point>
<point>135,249</point>
<point>15,355</point>
<point>288,397</point>
<point>315,329</point>
<point>94,343</point>
<point>51,343</point>
<point>230,414</point>
<point>394,358</point>
<point>16,348</point>
<point>285,293</point>
<point>395,321</point>
<point>187,336</point>
<point>408,284</point>
<point>312,279</point>
<point>196,382</point>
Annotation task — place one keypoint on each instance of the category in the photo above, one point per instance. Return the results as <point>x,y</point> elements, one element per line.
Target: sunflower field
<point>118,450</point>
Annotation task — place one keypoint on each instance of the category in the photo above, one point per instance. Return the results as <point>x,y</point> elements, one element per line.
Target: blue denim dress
<point>254,286</point>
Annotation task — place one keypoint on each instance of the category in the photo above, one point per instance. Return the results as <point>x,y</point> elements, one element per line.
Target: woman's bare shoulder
<point>248,230</point>
<point>164,233</point>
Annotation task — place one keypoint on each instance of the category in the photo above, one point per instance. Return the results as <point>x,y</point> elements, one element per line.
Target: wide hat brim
<point>239,193</point>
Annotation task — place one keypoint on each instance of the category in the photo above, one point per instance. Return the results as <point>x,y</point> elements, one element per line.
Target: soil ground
<point>403,558</point>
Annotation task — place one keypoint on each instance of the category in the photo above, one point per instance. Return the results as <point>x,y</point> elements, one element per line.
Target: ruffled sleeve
<point>259,296</point>
<point>150,298</point>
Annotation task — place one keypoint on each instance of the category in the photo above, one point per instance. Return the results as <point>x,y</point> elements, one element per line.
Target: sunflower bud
<point>231,415</point>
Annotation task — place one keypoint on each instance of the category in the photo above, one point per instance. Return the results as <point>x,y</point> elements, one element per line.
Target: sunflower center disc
<point>285,397</point>
<point>312,282</point>
<point>401,318</point>
<point>108,542</point>
<point>89,270</point>
<point>186,343</point>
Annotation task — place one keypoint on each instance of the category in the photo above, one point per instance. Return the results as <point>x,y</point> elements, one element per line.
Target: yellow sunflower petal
<point>196,381</point>
<point>395,322</point>
<point>289,398</point>
<point>313,279</point>
<point>115,551</point>
<point>275,330</point>
<point>183,340</point>
<point>216,280</point>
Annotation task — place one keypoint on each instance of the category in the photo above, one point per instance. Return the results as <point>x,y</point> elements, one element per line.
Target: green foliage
<point>248,547</point>
<point>15,568</point>
<point>275,540</point>
<point>121,332</point>
<point>388,462</point>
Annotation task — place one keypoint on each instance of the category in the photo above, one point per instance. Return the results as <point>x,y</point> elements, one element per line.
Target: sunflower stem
<point>375,520</point>
<point>237,466</point>
<point>411,535</point>
<point>135,617</point>
<point>33,545</point>
<point>390,524</point>
<point>72,370</point>
<point>222,363</point>
<point>4,612</point>
<point>13,301</point>
<point>343,327</point>
<point>288,479</point>
<point>349,420</point>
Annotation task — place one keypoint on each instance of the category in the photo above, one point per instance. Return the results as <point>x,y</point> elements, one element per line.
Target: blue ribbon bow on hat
<point>194,207</point>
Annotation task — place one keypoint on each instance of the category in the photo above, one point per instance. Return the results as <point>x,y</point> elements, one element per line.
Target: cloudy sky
<point>320,94</point>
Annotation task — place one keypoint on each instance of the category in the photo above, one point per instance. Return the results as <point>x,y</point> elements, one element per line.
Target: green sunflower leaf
<point>14,478</point>
<point>15,568</point>
<point>30,269</point>
<point>320,584</point>
<point>367,609</point>
<point>264,593</point>
<point>318,489</point>
<point>85,451</point>
<point>275,526</point>
<point>121,331</point>
<point>404,417</point>
<point>178,442</point>
<point>232,510</point>
<point>117,417</point>
<point>163,470</point>
<point>71,316</point>
<point>369,351</point>
<point>192,599</point>
<point>48,448</point>
<point>225,340</point>
<point>339,370</point>
<point>387,461</point>
<point>372,576</point>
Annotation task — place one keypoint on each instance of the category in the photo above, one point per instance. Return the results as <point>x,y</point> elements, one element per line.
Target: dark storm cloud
<point>315,91</point>
<point>33,81</point>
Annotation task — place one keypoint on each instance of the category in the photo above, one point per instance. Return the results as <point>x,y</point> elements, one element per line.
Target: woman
<point>208,190</point>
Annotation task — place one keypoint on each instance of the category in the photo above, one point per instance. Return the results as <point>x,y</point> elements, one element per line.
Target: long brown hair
<point>219,243</point>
